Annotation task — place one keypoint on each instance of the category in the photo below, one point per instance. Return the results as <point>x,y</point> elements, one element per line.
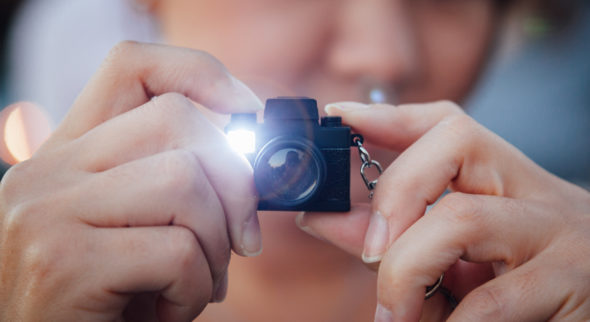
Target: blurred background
<point>539,72</point>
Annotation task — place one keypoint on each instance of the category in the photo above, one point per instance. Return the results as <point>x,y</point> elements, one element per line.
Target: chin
<point>286,244</point>
<point>279,228</point>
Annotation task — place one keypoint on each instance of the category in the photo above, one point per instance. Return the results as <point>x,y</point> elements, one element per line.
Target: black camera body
<point>299,163</point>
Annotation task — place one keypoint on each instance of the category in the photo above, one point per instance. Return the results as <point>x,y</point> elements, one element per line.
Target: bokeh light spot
<point>24,127</point>
<point>15,135</point>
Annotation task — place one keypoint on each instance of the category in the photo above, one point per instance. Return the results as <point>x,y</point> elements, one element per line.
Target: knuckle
<point>450,107</point>
<point>14,220</point>
<point>124,46</point>
<point>186,249</point>
<point>173,107</point>
<point>40,259</point>
<point>472,138</point>
<point>527,283</point>
<point>487,304</point>
<point>14,181</point>
<point>174,100</point>
<point>121,51</point>
<point>217,73</point>
<point>182,171</point>
<point>43,259</point>
<point>459,207</point>
<point>179,123</point>
<point>203,63</point>
<point>573,251</point>
<point>459,123</point>
<point>176,113</point>
<point>21,219</point>
<point>207,59</point>
<point>27,243</point>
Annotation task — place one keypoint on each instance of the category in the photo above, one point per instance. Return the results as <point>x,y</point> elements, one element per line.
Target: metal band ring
<point>431,290</point>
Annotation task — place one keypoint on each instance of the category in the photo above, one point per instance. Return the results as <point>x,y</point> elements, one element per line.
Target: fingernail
<point>300,221</point>
<point>246,95</point>
<point>251,239</point>
<point>376,239</point>
<point>221,291</point>
<point>382,314</point>
<point>345,106</point>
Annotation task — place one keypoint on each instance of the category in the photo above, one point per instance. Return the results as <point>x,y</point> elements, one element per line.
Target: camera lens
<point>288,172</point>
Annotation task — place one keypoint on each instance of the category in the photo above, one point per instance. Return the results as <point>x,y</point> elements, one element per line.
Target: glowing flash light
<point>243,141</point>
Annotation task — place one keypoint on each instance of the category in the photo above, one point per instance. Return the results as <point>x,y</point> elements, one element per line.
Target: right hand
<point>130,209</point>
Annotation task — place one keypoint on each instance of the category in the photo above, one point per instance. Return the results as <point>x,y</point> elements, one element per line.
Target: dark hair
<point>8,10</point>
<point>558,12</point>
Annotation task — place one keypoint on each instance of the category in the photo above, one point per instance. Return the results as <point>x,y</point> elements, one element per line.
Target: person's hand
<point>512,239</point>
<point>130,209</point>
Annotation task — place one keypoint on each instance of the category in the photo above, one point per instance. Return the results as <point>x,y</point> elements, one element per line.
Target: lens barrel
<point>289,171</point>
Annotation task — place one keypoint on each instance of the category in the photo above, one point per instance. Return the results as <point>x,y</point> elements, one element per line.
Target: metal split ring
<point>371,184</point>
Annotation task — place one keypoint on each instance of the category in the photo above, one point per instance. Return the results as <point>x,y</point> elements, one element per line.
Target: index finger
<point>133,73</point>
<point>392,127</point>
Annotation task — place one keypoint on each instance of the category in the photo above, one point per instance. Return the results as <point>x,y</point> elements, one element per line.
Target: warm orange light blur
<point>15,136</point>
<point>23,128</point>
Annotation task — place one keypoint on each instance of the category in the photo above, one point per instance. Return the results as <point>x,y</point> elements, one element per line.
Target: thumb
<point>393,127</point>
<point>345,230</point>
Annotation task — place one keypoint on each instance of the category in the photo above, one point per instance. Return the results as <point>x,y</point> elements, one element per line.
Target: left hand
<point>512,239</point>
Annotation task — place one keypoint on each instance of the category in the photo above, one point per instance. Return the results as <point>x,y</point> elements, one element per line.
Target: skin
<point>143,247</point>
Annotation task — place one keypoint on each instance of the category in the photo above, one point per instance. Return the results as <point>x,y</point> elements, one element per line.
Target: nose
<point>373,40</point>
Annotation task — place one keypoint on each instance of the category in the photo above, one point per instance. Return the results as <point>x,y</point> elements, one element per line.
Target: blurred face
<point>334,50</point>
<point>338,50</point>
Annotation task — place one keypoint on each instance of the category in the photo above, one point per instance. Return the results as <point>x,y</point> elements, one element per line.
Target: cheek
<point>454,43</point>
<point>266,43</point>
